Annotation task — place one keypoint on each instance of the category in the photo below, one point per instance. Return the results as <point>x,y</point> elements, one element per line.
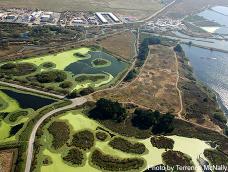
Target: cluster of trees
<point>110,163</point>
<point>162,142</point>
<point>127,146</point>
<point>160,123</point>
<point>74,157</point>
<point>51,76</point>
<point>175,158</point>
<point>60,132</point>
<point>17,69</point>
<point>93,78</point>
<point>49,65</point>
<point>144,49</point>
<point>83,140</point>
<point>106,109</point>
<point>178,48</point>
<point>220,117</point>
<point>39,35</point>
<point>131,75</point>
<point>216,157</point>
<point>82,92</point>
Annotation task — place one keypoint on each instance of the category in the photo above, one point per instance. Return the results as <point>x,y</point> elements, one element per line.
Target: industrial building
<point>101,17</point>
<point>107,17</point>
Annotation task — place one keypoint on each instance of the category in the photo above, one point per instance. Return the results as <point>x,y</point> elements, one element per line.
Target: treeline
<point>144,49</point>
<point>143,119</point>
<point>106,109</point>
<point>159,123</point>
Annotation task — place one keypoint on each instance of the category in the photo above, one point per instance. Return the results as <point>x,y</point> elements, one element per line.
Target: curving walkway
<point>75,102</point>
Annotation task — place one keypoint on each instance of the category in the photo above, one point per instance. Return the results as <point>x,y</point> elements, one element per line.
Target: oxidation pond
<point>27,100</point>
<point>219,15</point>
<point>85,66</point>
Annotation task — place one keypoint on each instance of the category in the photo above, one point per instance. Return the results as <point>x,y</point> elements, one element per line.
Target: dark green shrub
<point>74,157</point>
<point>60,132</point>
<point>127,146</point>
<point>51,76</point>
<point>162,142</point>
<point>177,158</point>
<point>83,140</point>
<point>107,109</point>
<point>86,91</point>
<point>102,136</point>
<point>216,157</point>
<point>110,163</point>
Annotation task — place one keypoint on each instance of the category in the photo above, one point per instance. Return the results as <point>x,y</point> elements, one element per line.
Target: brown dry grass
<point>187,7</point>
<point>155,86</point>
<point>122,44</point>
<point>138,8</point>
<point>6,160</point>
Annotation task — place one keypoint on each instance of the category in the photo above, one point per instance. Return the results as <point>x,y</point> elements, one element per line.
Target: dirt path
<point>179,91</point>
<point>181,101</point>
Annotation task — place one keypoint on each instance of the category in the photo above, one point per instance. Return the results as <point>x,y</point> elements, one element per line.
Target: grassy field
<point>123,44</point>
<point>78,121</point>
<point>155,86</point>
<point>133,7</point>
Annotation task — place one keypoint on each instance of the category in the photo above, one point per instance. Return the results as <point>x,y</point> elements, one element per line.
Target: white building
<point>114,18</point>
<point>101,17</point>
<point>45,18</point>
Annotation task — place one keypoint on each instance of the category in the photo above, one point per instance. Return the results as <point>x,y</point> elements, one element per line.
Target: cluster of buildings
<point>68,18</point>
<point>30,17</point>
<point>164,24</point>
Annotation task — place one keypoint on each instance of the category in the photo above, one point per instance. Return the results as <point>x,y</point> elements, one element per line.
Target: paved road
<point>31,89</point>
<point>158,12</point>
<point>75,102</point>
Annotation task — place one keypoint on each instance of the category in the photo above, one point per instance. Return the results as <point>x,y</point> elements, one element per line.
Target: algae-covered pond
<point>16,109</point>
<point>27,100</point>
<point>78,121</point>
<point>93,66</point>
<point>85,66</point>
